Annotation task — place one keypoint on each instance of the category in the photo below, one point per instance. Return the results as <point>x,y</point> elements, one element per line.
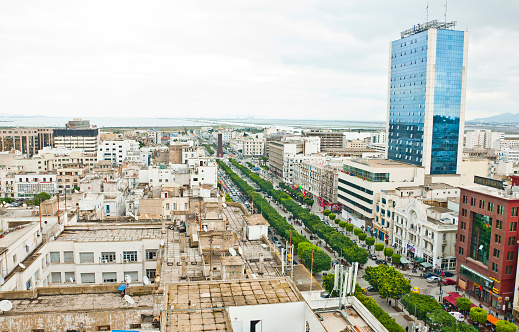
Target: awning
<point>418,259</point>
<point>492,319</point>
<point>404,261</point>
<point>454,295</point>
<point>426,264</point>
<point>450,299</point>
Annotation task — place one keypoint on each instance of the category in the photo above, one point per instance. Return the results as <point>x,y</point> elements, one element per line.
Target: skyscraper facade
<point>426,99</point>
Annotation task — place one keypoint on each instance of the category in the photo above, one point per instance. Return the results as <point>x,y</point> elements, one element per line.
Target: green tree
<point>342,224</point>
<point>328,283</point>
<point>438,319</point>
<point>478,315</point>
<point>396,258</point>
<point>379,246</point>
<point>321,260</point>
<point>332,216</point>
<point>349,227</point>
<point>459,327</point>
<point>326,212</point>
<point>362,236</point>
<point>369,242</point>
<point>337,221</point>
<point>463,303</point>
<point>388,252</point>
<point>357,231</point>
<point>389,282</point>
<point>505,326</point>
<point>228,198</point>
<point>419,305</point>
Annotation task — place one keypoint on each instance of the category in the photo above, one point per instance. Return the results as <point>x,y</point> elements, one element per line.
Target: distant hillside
<point>500,118</point>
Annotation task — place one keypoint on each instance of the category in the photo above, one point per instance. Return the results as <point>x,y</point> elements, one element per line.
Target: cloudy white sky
<point>272,59</point>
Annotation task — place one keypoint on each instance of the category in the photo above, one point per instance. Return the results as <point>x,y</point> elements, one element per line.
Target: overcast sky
<point>274,59</point>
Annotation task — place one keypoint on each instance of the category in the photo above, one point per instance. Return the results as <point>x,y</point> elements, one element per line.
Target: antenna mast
<point>445,15</point>
<point>427,12</point>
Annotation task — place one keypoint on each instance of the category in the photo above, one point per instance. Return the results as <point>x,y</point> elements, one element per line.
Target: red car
<point>449,282</point>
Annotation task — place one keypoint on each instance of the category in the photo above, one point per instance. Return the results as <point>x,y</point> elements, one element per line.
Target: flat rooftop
<point>109,233</point>
<point>493,192</point>
<point>12,236</point>
<point>255,219</point>
<point>197,321</point>
<point>232,293</point>
<point>383,163</point>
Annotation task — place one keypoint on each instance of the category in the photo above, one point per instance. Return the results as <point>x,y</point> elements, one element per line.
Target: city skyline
<point>207,60</point>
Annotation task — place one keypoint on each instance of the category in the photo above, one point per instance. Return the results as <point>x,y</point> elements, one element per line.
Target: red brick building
<point>486,248</point>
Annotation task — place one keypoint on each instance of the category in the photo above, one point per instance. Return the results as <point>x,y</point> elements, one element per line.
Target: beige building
<point>69,177</point>
<point>26,140</point>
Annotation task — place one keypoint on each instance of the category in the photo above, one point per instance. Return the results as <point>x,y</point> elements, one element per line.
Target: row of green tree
<point>337,241</point>
<point>297,195</point>
<point>209,149</point>
<point>321,260</point>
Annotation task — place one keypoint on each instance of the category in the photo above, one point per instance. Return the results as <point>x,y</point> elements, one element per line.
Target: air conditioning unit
<point>126,260</point>
<point>104,261</point>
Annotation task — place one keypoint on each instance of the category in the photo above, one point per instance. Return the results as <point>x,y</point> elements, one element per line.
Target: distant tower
<point>219,150</point>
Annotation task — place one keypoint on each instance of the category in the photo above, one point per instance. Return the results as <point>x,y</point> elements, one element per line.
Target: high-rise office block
<point>426,101</point>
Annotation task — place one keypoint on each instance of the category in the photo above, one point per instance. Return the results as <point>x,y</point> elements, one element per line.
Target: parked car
<point>415,290</point>
<point>325,295</point>
<point>370,289</point>
<point>373,257</point>
<point>449,282</point>
<point>445,306</point>
<point>459,316</point>
<point>379,261</point>
<point>448,274</point>
<point>428,275</point>
<point>433,279</point>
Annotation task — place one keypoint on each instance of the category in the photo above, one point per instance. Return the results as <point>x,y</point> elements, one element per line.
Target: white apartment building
<point>156,176</point>
<point>362,182</point>
<point>7,181</point>
<point>118,151</point>
<point>310,173</point>
<point>284,154</point>
<point>510,155</point>
<point>427,232</point>
<point>252,146</point>
<point>30,184</point>
<point>482,138</point>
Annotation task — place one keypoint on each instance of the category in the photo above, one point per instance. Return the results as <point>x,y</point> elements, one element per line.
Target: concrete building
<point>486,250</point>
<point>285,153</point>
<point>117,152</point>
<point>362,181</point>
<point>329,140</point>
<point>86,140</point>
<point>485,139</point>
<point>68,178</point>
<point>252,146</point>
<point>78,124</point>
<point>29,184</point>
<point>26,140</point>
<point>426,97</point>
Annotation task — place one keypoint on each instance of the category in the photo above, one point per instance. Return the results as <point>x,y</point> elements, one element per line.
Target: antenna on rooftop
<point>445,14</point>
<point>427,12</point>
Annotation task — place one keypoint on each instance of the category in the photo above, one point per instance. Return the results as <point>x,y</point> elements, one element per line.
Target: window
<point>513,226</point>
<point>88,278</point>
<point>107,257</point>
<point>150,273</point>
<point>462,238</point>
<point>498,239</point>
<point>480,238</point>
<point>86,257</point>
<point>464,212</point>
<point>103,328</point>
<point>109,277</point>
<point>511,241</point>
<point>473,201</point>
<point>70,277</point>
<point>490,207</point>
<point>495,267</point>
<point>514,211</point>
<point>499,224</point>
<point>461,251</point>
<point>500,209</point>
<point>496,253</point>
<point>54,257</point>
<point>463,225</point>
<point>510,256</point>
<point>481,204</point>
<point>134,275</point>
<point>151,254</point>
<point>130,256</point>
<point>465,199</point>
<point>68,256</point>
<point>55,277</point>
<point>508,269</point>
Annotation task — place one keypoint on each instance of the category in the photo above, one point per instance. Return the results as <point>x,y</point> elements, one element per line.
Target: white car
<point>459,316</point>
<point>433,279</point>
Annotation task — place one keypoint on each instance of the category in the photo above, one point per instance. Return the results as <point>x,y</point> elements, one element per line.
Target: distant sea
<point>100,122</point>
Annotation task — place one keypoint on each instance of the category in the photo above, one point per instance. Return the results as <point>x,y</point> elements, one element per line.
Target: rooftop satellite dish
<point>232,251</point>
<point>127,278</point>
<point>6,305</point>
<point>162,243</point>
<point>146,280</point>
<point>2,280</point>
<point>71,280</point>
<point>129,299</point>
<point>21,265</point>
<point>240,250</point>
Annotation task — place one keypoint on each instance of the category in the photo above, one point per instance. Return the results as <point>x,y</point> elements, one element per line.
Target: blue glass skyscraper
<point>426,101</point>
